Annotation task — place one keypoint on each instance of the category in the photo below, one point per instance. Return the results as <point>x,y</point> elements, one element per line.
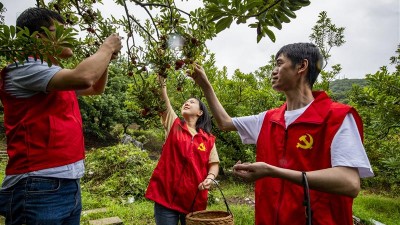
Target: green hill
<point>342,86</point>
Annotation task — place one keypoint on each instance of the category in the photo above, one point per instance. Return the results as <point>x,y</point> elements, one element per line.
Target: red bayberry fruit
<point>90,30</point>
<point>179,63</point>
<point>56,7</point>
<point>145,111</point>
<point>194,41</point>
<point>179,88</point>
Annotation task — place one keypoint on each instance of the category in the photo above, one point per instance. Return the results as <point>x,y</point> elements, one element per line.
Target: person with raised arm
<point>188,163</point>
<point>43,127</point>
<point>308,135</point>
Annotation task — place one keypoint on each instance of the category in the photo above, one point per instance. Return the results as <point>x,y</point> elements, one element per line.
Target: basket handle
<point>307,202</point>
<point>223,196</point>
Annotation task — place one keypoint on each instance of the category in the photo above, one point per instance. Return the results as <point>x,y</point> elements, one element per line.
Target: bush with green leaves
<point>152,139</point>
<point>379,105</point>
<point>118,171</point>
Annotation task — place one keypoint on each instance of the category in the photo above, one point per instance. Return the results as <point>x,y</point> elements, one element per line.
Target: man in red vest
<point>44,128</point>
<point>309,133</point>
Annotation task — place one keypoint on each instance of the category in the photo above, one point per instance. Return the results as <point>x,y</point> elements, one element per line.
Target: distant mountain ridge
<point>340,87</point>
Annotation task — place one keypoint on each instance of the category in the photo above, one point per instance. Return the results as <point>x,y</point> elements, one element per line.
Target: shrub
<point>118,171</point>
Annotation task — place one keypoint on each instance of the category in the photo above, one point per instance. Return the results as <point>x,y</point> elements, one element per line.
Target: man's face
<point>284,76</point>
<point>66,52</point>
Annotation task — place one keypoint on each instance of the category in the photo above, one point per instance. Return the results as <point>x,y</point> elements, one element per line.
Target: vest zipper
<point>283,181</point>
<point>183,170</point>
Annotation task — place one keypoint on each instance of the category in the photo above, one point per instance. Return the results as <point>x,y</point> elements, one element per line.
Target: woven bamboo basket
<point>210,217</point>
<point>206,217</point>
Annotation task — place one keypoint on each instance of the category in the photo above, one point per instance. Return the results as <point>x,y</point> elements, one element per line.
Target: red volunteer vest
<point>183,165</point>
<point>43,131</point>
<point>303,146</point>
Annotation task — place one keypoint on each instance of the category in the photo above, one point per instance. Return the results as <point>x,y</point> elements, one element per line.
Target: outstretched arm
<point>164,97</point>
<point>90,75</point>
<point>336,180</point>
<point>224,121</point>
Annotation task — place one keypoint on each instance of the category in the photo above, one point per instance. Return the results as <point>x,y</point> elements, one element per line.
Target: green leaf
<point>241,20</point>
<point>59,31</point>
<point>12,31</point>
<point>287,12</point>
<point>253,4</point>
<point>253,25</point>
<point>33,35</point>
<point>277,22</point>
<point>259,37</point>
<point>236,4</point>
<point>282,17</point>
<point>6,31</point>
<point>48,33</point>
<point>270,34</point>
<point>217,16</point>
<point>302,2</point>
<point>223,23</point>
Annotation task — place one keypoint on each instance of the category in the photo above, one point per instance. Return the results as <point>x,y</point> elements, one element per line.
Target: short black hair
<point>297,52</point>
<point>35,18</point>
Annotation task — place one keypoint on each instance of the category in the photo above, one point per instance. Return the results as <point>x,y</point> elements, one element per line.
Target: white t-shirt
<point>346,148</point>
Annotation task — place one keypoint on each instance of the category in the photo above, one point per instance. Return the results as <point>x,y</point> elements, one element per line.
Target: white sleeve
<point>348,150</point>
<point>249,127</point>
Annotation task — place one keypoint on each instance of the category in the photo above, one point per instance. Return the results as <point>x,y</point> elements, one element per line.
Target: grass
<point>141,212</point>
<point>380,208</point>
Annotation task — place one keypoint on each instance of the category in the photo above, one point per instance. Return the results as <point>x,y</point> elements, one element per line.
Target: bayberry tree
<point>165,40</point>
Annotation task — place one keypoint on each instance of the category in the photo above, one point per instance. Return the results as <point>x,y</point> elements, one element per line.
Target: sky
<point>372,34</point>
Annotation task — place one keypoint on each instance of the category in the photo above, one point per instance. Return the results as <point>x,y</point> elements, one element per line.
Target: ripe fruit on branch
<point>179,64</point>
<point>179,88</point>
<point>145,111</point>
<point>56,7</point>
<point>90,30</point>
<point>194,41</point>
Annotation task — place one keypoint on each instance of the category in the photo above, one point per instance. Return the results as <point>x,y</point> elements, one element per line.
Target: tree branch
<point>141,27</point>
<point>130,30</point>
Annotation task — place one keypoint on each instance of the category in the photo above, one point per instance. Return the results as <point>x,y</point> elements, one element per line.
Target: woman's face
<point>191,108</point>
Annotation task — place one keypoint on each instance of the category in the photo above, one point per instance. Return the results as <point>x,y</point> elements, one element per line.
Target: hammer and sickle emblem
<point>304,143</point>
<point>202,147</point>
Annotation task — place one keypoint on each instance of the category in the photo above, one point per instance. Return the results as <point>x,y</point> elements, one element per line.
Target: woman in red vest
<point>188,162</point>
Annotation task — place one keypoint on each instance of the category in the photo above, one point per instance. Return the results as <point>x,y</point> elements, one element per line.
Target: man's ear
<point>303,66</point>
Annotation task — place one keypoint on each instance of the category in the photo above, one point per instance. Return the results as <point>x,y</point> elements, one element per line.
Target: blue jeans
<point>165,216</point>
<point>42,200</point>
